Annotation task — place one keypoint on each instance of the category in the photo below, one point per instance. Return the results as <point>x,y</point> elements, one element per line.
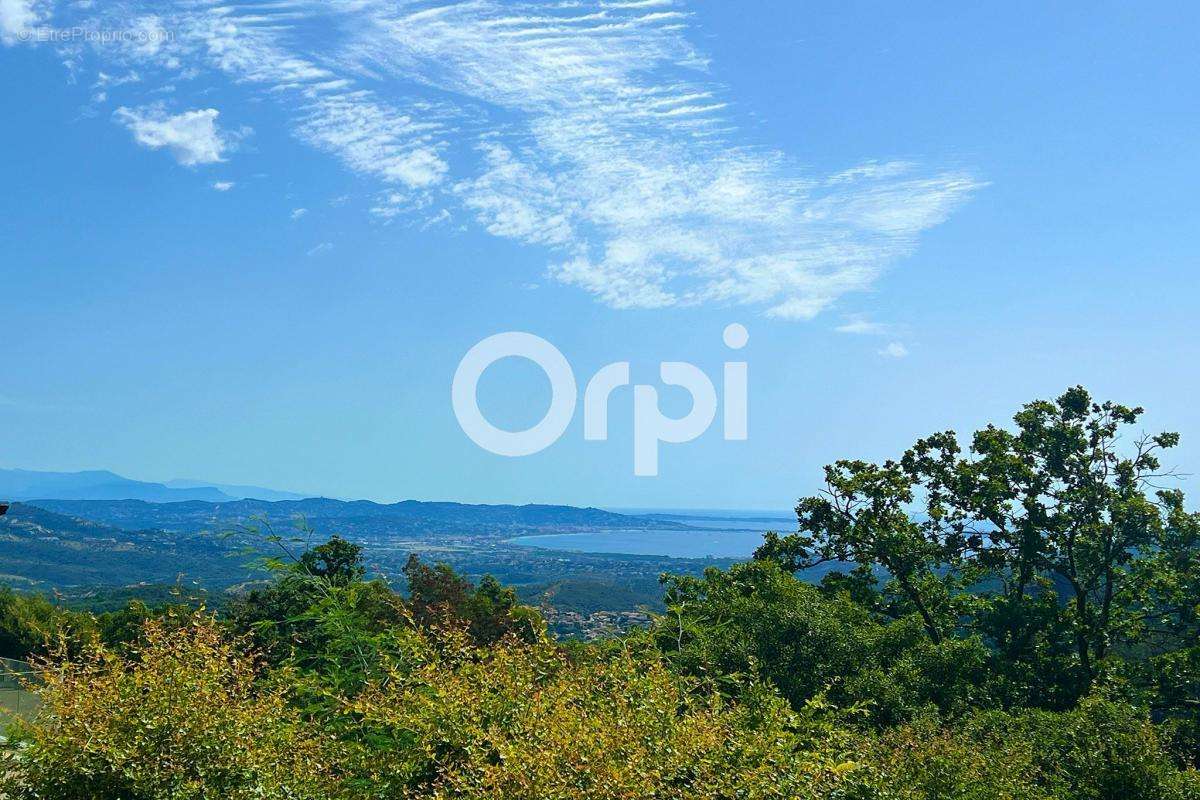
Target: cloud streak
<point>592,131</point>
<point>624,162</point>
<point>859,325</point>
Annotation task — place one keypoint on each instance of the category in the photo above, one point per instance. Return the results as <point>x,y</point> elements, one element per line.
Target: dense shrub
<point>1103,750</point>
<point>182,716</point>
<point>757,619</point>
<point>188,714</point>
<point>522,721</point>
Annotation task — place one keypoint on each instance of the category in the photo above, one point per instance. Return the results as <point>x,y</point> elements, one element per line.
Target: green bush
<point>183,716</point>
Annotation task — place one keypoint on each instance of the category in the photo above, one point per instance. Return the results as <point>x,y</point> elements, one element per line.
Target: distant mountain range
<point>77,531</point>
<point>78,543</point>
<point>21,484</point>
<point>232,490</point>
<point>361,518</point>
<point>188,506</point>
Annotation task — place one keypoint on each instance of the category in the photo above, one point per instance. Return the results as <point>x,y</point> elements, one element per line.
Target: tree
<point>337,561</point>
<point>29,624</point>
<point>759,620</point>
<point>1066,508</point>
<point>864,517</point>
<point>1050,539</point>
<point>438,596</point>
<point>323,618</point>
<point>435,594</point>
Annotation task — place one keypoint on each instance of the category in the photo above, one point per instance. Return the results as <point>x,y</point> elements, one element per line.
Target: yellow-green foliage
<point>188,715</point>
<point>184,716</point>
<point>520,721</point>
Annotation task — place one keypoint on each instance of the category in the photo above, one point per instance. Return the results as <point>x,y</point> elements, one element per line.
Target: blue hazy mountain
<point>359,518</point>
<point>237,491</point>
<point>22,484</point>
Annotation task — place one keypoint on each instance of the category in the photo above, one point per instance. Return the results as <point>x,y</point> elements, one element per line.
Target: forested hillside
<point>359,517</point>
<point>91,551</point>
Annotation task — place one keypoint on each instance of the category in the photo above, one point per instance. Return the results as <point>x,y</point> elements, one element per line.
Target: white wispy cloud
<point>323,247</point>
<point>373,139</point>
<point>18,17</point>
<point>894,350</point>
<point>192,136</point>
<point>104,82</point>
<point>103,79</point>
<point>623,160</point>
<point>223,186</point>
<point>592,131</point>
<point>512,199</point>
<point>860,325</point>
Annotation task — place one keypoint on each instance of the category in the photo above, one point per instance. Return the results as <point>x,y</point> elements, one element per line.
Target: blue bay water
<point>713,535</point>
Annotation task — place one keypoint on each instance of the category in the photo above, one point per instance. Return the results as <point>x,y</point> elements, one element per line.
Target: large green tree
<point>1075,550</point>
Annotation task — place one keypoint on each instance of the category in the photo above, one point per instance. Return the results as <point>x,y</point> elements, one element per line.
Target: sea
<point>733,534</point>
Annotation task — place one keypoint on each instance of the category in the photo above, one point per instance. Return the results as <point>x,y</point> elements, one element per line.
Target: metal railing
<point>16,701</point>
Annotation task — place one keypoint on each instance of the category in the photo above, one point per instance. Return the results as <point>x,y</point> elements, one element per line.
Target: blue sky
<point>250,243</point>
